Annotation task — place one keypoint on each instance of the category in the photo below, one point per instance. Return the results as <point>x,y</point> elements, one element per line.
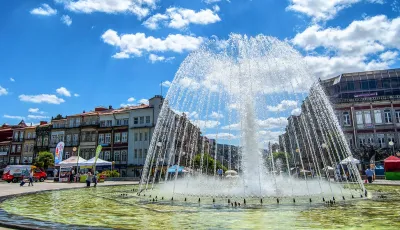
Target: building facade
<point>28,151</point>
<point>367,105</point>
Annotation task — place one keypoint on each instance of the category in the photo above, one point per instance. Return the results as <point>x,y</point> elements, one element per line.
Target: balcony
<point>92,123</point>
<point>18,139</point>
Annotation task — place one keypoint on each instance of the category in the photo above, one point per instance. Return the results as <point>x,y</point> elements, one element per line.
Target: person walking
<point>30,178</point>
<point>369,173</point>
<point>88,179</point>
<point>95,180</point>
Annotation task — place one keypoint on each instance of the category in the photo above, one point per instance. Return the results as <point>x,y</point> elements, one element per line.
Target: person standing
<point>30,178</point>
<point>369,173</point>
<point>55,172</point>
<point>88,179</point>
<point>95,180</point>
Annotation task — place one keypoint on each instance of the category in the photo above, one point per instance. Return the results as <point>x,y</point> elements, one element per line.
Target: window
<point>16,136</point>
<point>359,118</point>
<point>11,160</point>
<point>117,137</point>
<point>397,114</point>
<point>39,141</point>
<point>124,155</point>
<point>17,160</point>
<point>378,116</point>
<point>83,136</point>
<point>33,135</point>
<point>141,120</point>
<point>135,153</point>
<point>68,138</point>
<point>31,148</point>
<point>109,123</point>
<point>21,136</point>
<point>18,148</point>
<point>136,136</point>
<point>388,116</point>
<point>101,138</point>
<point>140,136</point>
<point>147,119</point>
<point>29,135</point>
<point>107,155</point>
<point>381,140</point>
<point>135,120</point>
<point>145,136</point>
<point>46,140</point>
<point>102,123</point>
<point>367,117</point>
<point>93,137</point>
<point>126,122</point>
<point>77,122</point>
<point>117,156</point>
<point>25,160</point>
<point>346,118</point>
<point>108,138</point>
<point>26,146</point>
<point>145,153</point>
<point>61,137</point>
<point>71,123</point>
<point>118,122</point>
<point>30,159</point>
<point>13,149</point>
<point>140,153</point>
<point>66,155</point>
<point>361,140</point>
<point>124,137</point>
<point>101,155</point>
<point>75,137</point>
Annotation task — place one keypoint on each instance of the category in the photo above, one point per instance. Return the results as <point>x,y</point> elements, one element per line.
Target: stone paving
<point>7,189</point>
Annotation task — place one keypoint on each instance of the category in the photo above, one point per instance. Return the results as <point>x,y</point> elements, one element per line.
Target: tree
<point>208,163</point>
<point>44,160</point>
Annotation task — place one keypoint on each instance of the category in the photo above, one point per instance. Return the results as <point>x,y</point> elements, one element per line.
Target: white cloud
<point>44,10</point>
<point>35,110</point>
<point>216,115</point>
<point>389,55</point>
<point>216,8</point>
<point>121,55</point>
<point>322,10</point>
<point>155,58</point>
<point>144,101</point>
<point>3,91</point>
<point>269,123</point>
<point>137,43</point>
<point>351,48</point>
<point>211,1</point>
<point>63,92</point>
<point>179,18</point>
<point>76,95</point>
<point>12,79</point>
<point>206,124</point>
<point>269,136</point>
<point>166,84</point>
<point>296,112</point>
<point>66,20</point>
<point>14,117</point>
<point>131,99</point>
<point>363,37</point>
<point>41,98</point>
<point>37,117</point>
<point>123,105</point>
<point>282,106</point>
<point>140,8</point>
<point>221,136</point>
<point>395,6</point>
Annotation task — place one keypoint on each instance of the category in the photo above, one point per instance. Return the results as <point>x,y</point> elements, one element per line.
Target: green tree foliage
<point>44,160</point>
<point>208,164</point>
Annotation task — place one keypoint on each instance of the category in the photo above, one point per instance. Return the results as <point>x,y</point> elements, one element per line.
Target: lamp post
<point>391,143</point>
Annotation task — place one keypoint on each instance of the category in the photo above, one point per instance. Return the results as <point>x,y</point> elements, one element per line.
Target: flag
<point>98,150</point>
<point>59,153</point>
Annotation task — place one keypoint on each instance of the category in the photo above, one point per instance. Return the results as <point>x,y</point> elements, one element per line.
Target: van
<point>15,173</point>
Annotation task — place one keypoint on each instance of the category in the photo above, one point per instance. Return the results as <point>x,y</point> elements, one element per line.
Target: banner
<point>98,150</point>
<point>59,153</point>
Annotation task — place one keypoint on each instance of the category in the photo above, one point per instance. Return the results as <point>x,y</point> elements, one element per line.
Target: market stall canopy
<point>392,159</point>
<point>350,160</point>
<point>233,172</point>
<point>392,164</point>
<point>72,161</point>
<point>99,162</point>
<point>175,168</point>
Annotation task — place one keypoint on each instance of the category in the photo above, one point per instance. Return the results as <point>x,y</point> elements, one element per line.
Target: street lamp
<point>391,143</point>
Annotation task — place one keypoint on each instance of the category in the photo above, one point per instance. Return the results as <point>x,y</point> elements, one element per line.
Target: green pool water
<point>104,207</point>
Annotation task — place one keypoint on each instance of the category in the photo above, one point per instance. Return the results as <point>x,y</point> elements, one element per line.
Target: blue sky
<point>62,56</point>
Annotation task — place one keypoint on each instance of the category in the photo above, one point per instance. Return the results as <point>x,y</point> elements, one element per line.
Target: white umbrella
<point>72,161</point>
<point>99,162</point>
<point>350,160</point>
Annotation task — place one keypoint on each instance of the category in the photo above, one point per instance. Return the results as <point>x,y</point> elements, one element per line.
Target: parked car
<point>15,173</point>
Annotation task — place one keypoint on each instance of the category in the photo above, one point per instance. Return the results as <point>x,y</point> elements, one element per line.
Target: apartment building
<point>43,132</point>
<point>17,143</point>
<point>6,134</point>
<point>28,150</point>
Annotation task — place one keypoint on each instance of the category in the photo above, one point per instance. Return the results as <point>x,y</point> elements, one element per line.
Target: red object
<point>9,177</point>
<point>392,164</point>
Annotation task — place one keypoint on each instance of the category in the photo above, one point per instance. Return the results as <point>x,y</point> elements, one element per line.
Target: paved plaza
<point>7,189</point>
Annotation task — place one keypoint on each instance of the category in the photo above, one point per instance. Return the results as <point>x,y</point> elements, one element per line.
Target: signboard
<point>59,153</point>
<point>366,95</point>
<point>3,153</point>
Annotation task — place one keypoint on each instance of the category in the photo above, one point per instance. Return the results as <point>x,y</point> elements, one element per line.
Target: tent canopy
<point>175,168</point>
<point>350,160</point>
<point>392,159</point>
<point>99,162</point>
<point>72,161</point>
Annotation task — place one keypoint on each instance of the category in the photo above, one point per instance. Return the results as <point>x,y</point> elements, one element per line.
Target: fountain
<point>236,93</point>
